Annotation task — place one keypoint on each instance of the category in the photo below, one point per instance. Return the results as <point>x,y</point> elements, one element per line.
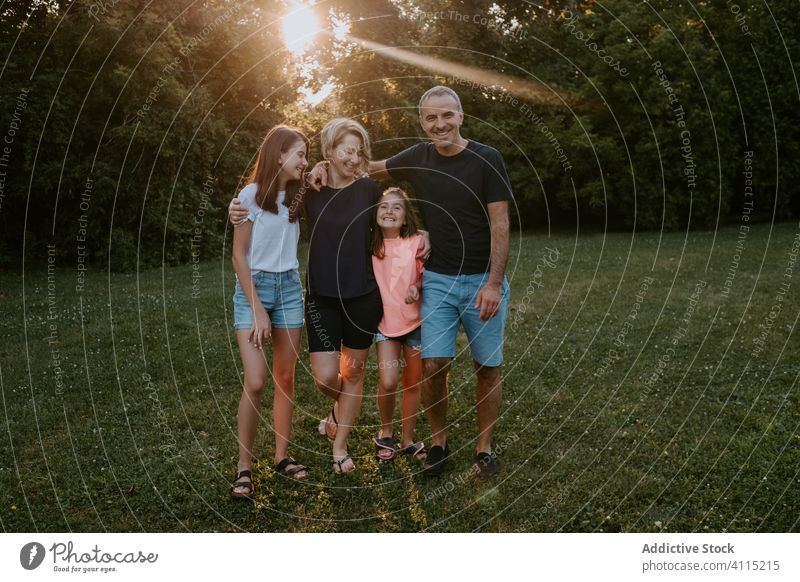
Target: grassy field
<point>650,385</point>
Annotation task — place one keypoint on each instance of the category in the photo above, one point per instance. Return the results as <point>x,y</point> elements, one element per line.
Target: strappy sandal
<point>323,425</point>
<point>416,451</point>
<point>387,445</point>
<point>338,467</point>
<point>248,485</point>
<point>291,468</point>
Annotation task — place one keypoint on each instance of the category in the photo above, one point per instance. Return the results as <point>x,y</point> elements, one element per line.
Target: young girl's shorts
<point>281,294</point>
<point>412,339</point>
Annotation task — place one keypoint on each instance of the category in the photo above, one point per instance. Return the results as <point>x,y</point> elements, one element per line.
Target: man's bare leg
<point>434,396</point>
<point>490,396</point>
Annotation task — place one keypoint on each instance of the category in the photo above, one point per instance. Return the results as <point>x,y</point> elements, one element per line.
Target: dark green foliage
<point>150,101</point>
<point>131,111</point>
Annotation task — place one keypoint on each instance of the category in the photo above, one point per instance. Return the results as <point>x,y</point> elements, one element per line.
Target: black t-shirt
<point>339,262</point>
<point>452,193</point>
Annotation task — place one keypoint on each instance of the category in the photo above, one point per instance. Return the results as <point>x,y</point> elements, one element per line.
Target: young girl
<point>398,270</point>
<point>268,302</point>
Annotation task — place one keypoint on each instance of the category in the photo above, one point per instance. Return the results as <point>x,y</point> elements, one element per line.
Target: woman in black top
<point>343,304</point>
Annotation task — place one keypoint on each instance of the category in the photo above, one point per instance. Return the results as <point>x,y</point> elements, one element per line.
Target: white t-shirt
<point>273,239</point>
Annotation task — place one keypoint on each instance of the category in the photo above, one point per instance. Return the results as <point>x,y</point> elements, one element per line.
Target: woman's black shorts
<point>332,322</point>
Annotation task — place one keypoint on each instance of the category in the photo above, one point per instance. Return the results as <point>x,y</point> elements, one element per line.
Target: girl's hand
<point>237,213</point>
<point>261,329</point>
<point>318,176</point>
<point>412,294</point>
<point>424,248</point>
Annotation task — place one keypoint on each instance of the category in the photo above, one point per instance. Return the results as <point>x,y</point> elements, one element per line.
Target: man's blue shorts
<point>448,302</point>
<point>281,294</point>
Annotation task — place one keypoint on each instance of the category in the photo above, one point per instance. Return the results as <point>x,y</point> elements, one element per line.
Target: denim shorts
<point>412,339</point>
<point>448,302</point>
<point>281,294</point>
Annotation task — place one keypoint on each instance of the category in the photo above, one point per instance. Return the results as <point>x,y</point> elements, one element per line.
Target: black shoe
<point>436,461</point>
<point>486,465</point>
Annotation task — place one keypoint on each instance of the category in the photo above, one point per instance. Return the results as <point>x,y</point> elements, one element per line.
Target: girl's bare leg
<point>255,377</point>
<point>388,375</point>
<point>285,350</point>
<point>412,378</point>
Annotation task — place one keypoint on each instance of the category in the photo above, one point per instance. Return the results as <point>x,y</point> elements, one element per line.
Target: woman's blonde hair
<point>335,130</point>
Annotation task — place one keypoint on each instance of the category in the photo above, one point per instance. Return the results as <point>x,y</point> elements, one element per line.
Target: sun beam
<point>300,26</point>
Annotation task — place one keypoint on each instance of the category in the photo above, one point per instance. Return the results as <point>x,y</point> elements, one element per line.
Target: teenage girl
<point>268,301</point>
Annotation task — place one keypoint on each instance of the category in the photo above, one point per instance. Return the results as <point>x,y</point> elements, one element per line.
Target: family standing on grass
<point>375,275</point>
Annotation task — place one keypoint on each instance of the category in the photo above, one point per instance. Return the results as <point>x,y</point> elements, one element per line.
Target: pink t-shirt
<point>398,269</point>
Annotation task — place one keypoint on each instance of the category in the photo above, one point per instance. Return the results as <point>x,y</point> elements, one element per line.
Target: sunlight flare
<point>300,27</point>
<point>533,90</point>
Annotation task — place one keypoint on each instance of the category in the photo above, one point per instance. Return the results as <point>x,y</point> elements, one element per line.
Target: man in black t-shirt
<point>463,192</point>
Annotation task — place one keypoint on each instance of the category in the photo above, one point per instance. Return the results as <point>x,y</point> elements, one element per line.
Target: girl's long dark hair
<point>411,226</point>
<point>267,167</point>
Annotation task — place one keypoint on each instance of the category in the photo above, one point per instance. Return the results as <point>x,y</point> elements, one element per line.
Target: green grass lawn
<point>629,403</point>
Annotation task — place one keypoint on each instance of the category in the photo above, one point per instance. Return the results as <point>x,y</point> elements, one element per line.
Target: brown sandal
<point>248,485</point>
<point>339,469</point>
<point>291,468</point>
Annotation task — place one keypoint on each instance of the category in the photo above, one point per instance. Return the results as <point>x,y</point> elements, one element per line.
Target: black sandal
<point>385,444</point>
<point>416,451</point>
<point>291,468</point>
<point>243,485</point>
<point>323,425</point>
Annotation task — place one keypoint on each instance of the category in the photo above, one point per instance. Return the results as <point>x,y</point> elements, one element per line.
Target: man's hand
<point>424,248</point>
<point>488,301</point>
<point>237,213</point>
<point>317,178</point>
<point>412,294</point>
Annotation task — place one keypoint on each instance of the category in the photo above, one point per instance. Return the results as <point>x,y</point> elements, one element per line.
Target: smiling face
<point>293,162</point>
<point>441,120</point>
<point>391,214</point>
<point>346,157</point>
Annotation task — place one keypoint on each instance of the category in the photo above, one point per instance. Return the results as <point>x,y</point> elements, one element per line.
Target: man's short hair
<point>435,92</point>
